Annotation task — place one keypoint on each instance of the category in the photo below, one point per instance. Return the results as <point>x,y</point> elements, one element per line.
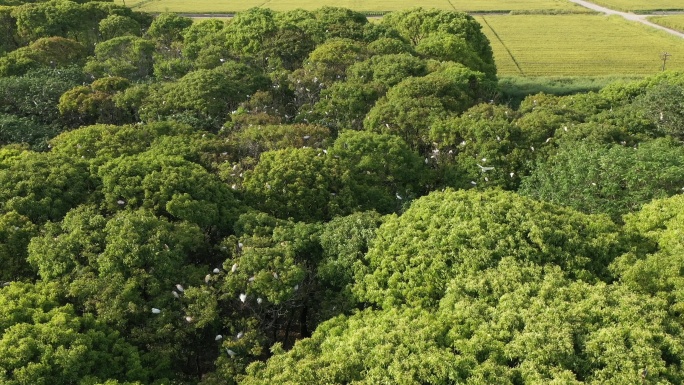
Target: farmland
<point>224,6</point>
<point>577,45</point>
<point>675,22</point>
<point>641,5</point>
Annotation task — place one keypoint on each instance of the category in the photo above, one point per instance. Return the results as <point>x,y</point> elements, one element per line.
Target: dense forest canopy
<point>306,197</point>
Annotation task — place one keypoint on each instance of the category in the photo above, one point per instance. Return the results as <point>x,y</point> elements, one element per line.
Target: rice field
<point>578,45</point>
<point>643,6</point>
<point>229,6</point>
<point>675,22</point>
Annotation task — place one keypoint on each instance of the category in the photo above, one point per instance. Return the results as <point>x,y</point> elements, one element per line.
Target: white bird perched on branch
<point>180,287</point>
<point>155,310</point>
<point>218,337</point>
<point>216,270</point>
<point>175,294</point>
<point>243,297</point>
<point>230,353</point>
<point>484,168</point>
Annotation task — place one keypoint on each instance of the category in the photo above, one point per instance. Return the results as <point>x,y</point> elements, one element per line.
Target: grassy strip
<point>642,6</point>
<point>675,22</point>
<point>579,45</point>
<point>513,89</point>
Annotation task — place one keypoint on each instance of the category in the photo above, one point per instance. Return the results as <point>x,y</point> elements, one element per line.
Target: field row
<point>675,22</point>
<point>227,6</point>
<point>578,45</point>
<point>642,5</point>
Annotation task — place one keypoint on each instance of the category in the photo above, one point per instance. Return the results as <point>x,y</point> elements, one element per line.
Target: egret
<point>240,245</point>
<point>207,278</point>
<point>218,337</point>
<point>275,275</point>
<point>234,268</point>
<point>155,310</point>
<point>175,294</point>
<point>484,169</point>
<point>532,148</point>
<point>296,287</point>
<point>251,279</point>
<point>243,297</point>
<point>398,196</point>
<point>179,287</point>
<point>511,174</point>
<point>216,270</point>
<point>259,300</point>
<point>121,202</point>
<point>473,183</point>
<point>240,335</point>
<point>230,353</point>
<point>188,319</point>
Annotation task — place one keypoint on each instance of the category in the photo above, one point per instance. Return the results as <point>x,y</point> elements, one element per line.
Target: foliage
<point>448,234</point>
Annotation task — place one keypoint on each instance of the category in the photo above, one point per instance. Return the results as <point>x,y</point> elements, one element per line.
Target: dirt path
<point>629,16</point>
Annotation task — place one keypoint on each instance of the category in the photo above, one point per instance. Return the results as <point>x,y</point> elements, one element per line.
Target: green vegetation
<point>557,6</point>
<point>642,6</point>
<point>578,45</point>
<point>307,197</point>
<point>675,22</point>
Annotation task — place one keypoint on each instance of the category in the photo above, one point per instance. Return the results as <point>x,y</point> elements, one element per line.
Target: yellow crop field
<point>675,22</point>
<point>226,6</point>
<point>578,45</point>
<point>641,5</point>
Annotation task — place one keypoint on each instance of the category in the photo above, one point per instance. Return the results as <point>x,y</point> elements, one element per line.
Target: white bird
<point>216,270</point>
<point>179,287</point>
<point>240,245</point>
<point>251,279</point>
<point>188,319</point>
<point>218,337</point>
<point>240,335</point>
<point>230,353</point>
<point>473,183</point>
<point>121,202</point>
<point>234,268</point>
<point>207,278</point>
<point>484,168</point>
<point>175,294</point>
<point>532,148</point>
<point>155,310</point>
<point>511,174</point>
<point>296,287</point>
<point>426,160</point>
<point>275,275</point>
<point>243,297</point>
<point>259,300</point>
<point>399,196</point>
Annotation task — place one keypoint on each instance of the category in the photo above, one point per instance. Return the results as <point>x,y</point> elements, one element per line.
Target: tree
<point>168,186</point>
<point>49,52</point>
<point>36,94</point>
<point>483,147</point>
<point>125,56</point>
<point>50,343</point>
<point>83,105</point>
<point>43,186</point>
<point>597,178</point>
<point>447,234</point>
<point>203,98</point>
<point>116,25</point>
<point>418,24</point>
<point>380,171</point>
<point>293,183</point>
<point>412,106</point>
